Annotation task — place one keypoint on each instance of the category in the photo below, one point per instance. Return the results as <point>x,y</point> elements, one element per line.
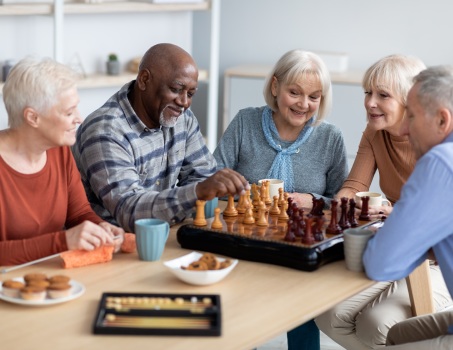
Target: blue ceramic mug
<point>210,206</point>
<point>150,238</point>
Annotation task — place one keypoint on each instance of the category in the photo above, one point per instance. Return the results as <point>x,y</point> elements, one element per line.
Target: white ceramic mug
<point>274,185</point>
<point>376,199</point>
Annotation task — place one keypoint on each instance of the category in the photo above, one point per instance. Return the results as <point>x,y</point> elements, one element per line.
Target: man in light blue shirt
<point>421,222</point>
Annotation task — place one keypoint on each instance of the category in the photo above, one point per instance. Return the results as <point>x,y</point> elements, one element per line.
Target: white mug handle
<point>386,202</point>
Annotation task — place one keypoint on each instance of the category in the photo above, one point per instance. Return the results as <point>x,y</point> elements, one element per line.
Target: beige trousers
<point>422,333</point>
<point>363,321</point>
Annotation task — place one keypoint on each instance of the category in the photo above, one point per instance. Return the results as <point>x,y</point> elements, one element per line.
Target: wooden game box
<point>264,244</point>
<point>158,314</point>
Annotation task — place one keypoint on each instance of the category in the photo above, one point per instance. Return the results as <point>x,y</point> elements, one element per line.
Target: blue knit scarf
<point>282,167</point>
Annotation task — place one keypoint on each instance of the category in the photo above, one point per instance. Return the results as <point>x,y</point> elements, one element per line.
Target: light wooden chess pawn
<point>262,220</point>
<point>248,218</point>
<point>275,210</point>
<point>283,214</point>
<point>217,224</point>
<point>247,199</point>
<point>241,204</point>
<point>200,218</point>
<point>230,210</point>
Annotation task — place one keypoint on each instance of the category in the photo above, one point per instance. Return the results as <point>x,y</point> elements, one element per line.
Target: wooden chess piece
<point>283,212</point>
<point>248,216</point>
<point>318,206</point>
<point>267,197</point>
<point>241,204</point>
<point>256,195</point>
<point>274,209</point>
<point>247,201</point>
<point>317,231</point>
<point>230,210</point>
<point>364,214</point>
<point>217,224</point>
<point>308,237</point>
<point>200,218</point>
<point>333,228</point>
<point>290,236</point>
<point>262,220</point>
<point>280,197</point>
<point>344,222</point>
<point>351,213</point>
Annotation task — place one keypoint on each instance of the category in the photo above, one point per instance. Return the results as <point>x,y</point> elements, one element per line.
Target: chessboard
<point>292,237</point>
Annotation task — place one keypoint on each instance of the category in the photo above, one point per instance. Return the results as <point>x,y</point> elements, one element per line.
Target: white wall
<point>260,31</point>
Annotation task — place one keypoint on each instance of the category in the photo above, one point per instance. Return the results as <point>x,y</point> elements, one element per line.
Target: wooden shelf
<point>96,81</point>
<point>98,8</point>
<point>260,71</point>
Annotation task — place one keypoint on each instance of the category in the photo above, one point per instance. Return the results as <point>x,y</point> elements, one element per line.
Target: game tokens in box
<point>158,314</point>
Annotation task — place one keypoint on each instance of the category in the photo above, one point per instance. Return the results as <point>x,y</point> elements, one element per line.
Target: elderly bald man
<point>142,153</point>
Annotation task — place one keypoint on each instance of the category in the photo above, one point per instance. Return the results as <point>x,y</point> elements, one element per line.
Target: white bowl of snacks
<point>201,268</point>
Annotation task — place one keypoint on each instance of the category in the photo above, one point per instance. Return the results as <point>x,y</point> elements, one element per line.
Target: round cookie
<point>224,264</point>
<point>198,266</point>
<point>34,276</point>
<point>211,261</point>
<point>59,279</point>
<point>11,288</point>
<point>59,290</point>
<point>33,293</point>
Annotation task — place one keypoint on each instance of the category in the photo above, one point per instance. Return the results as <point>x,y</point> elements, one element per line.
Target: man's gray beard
<point>168,122</point>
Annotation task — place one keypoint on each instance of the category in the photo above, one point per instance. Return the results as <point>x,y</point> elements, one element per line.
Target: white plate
<point>77,290</point>
<point>199,278</point>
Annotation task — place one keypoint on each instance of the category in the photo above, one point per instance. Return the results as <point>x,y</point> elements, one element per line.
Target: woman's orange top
<point>36,208</point>
<point>391,155</point>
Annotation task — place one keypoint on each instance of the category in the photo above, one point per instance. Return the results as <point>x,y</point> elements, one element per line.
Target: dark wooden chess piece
<point>318,206</point>
<point>317,229</point>
<point>290,237</point>
<point>333,228</point>
<point>301,221</point>
<point>344,222</point>
<point>295,218</point>
<point>289,211</point>
<point>351,213</point>
<point>308,237</point>
<point>364,214</point>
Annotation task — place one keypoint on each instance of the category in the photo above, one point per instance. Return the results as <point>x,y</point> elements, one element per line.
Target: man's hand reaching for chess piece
<point>222,183</point>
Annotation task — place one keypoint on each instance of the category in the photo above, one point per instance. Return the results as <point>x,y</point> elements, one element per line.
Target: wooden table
<point>259,302</point>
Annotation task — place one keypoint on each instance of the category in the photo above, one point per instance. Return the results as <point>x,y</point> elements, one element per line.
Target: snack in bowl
<point>11,288</point>
<point>207,261</point>
<point>193,268</point>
